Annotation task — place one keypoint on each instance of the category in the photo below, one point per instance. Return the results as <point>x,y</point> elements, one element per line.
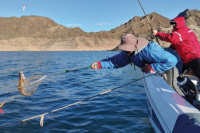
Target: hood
<point>180,22</point>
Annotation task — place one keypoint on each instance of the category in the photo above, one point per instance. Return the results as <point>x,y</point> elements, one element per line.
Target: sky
<point>94,15</point>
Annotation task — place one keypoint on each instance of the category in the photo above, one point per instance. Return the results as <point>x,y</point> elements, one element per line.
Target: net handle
<point>66,71</point>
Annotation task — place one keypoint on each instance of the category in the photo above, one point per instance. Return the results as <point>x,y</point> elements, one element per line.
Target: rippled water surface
<point>122,110</point>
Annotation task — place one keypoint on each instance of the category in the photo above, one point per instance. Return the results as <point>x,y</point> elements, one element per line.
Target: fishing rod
<point>27,87</point>
<point>66,71</point>
<point>75,103</point>
<point>148,20</point>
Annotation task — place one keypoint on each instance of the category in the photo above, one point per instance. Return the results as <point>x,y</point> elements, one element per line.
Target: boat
<point>168,111</point>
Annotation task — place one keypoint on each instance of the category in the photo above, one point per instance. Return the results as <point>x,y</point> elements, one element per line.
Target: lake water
<point>121,111</point>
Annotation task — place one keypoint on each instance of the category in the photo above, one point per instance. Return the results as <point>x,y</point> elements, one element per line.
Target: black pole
<point>148,20</point>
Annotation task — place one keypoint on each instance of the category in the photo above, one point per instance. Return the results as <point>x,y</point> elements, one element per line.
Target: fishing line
<point>75,103</point>
<point>27,87</point>
<point>31,84</point>
<point>148,20</point>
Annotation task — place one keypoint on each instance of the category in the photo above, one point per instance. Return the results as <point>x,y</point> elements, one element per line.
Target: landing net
<point>27,87</point>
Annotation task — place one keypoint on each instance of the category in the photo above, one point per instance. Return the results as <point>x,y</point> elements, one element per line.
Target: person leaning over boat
<point>185,42</point>
<point>149,56</point>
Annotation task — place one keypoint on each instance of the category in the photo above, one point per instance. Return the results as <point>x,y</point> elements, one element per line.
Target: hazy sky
<point>94,15</point>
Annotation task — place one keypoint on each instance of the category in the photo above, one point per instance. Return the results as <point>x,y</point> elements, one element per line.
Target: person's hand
<point>147,69</point>
<point>154,32</point>
<point>96,65</point>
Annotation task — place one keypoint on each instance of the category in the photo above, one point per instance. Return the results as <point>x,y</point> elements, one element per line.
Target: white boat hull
<point>168,111</point>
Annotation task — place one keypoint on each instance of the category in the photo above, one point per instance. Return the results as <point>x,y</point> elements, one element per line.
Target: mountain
<point>35,33</point>
<point>139,26</point>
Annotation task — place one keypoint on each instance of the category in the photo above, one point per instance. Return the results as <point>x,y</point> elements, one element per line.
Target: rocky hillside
<point>34,26</point>
<point>34,33</point>
<point>139,26</point>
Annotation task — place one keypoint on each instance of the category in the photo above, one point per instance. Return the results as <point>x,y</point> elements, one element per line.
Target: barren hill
<point>139,26</point>
<point>34,26</point>
<point>35,33</point>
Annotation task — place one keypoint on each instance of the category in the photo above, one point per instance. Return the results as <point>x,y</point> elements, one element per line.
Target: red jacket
<point>183,40</point>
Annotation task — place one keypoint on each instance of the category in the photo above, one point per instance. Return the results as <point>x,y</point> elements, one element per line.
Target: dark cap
<point>172,22</point>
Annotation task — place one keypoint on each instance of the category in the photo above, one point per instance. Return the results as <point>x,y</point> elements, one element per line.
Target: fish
<point>21,85</point>
<point>28,86</point>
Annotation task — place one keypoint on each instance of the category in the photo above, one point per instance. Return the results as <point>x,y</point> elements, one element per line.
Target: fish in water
<point>29,86</point>
<point>21,85</point>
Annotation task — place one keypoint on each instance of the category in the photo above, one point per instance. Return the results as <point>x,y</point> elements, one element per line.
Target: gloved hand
<point>147,69</point>
<point>96,65</point>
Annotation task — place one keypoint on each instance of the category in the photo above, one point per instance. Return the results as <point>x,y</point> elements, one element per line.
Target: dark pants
<point>172,74</point>
<point>194,66</point>
<point>171,79</point>
<point>179,64</point>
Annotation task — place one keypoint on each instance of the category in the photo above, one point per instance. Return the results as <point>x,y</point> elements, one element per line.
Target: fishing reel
<point>191,94</point>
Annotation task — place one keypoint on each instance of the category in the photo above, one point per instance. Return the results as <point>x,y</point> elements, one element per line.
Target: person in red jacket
<point>185,42</point>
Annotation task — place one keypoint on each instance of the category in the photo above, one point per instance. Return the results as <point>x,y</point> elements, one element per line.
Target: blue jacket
<point>159,59</point>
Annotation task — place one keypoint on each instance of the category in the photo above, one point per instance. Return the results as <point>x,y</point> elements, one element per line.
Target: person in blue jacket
<point>149,56</point>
